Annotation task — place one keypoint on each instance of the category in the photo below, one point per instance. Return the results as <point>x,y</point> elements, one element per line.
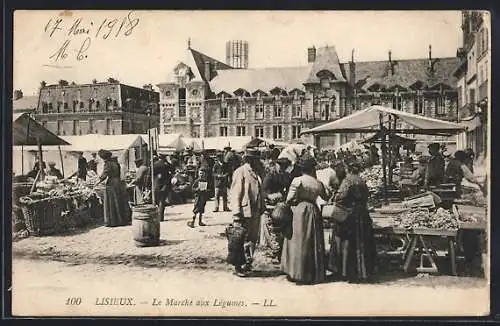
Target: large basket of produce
<point>20,189</point>
<point>43,216</point>
<point>421,219</point>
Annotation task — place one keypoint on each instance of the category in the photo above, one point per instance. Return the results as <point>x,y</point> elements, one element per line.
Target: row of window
<point>77,106</point>
<point>277,131</point>
<point>241,111</point>
<point>76,127</point>
<point>419,104</point>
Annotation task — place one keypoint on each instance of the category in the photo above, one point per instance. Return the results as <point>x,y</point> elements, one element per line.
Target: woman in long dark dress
<point>352,252</point>
<point>303,256</point>
<point>116,208</point>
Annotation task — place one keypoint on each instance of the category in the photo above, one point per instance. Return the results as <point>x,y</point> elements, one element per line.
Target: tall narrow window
<point>277,132</point>
<point>59,127</point>
<point>259,132</point>
<point>295,132</point>
<point>223,131</point>
<point>278,110</point>
<point>223,112</point>
<point>91,126</point>
<point>440,105</point>
<point>241,110</point>
<point>240,131</point>
<point>296,110</point>
<point>82,106</point>
<point>66,108</point>
<point>259,110</point>
<point>418,104</point>
<point>182,103</point>
<point>396,102</point>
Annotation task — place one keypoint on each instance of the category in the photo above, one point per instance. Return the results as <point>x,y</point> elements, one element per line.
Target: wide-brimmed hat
<point>228,147</point>
<point>138,161</point>
<point>283,161</point>
<point>51,163</point>
<point>252,153</point>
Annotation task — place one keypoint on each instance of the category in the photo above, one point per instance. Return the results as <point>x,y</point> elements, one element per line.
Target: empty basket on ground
<point>43,216</point>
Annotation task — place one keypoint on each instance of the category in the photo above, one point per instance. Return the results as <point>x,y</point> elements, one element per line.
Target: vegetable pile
<point>421,218</point>
<point>373,178</point>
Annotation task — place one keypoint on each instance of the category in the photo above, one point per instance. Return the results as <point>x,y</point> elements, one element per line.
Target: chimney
<point>18,94</point>
<point>432,61</point>
<point>207,71</point>
<point>430,56</point>
<point>391,64</point>
<point>352,70</point>
<point>311,54</point>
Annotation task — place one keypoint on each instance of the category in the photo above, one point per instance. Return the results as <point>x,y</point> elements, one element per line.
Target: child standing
<point>200,190</point>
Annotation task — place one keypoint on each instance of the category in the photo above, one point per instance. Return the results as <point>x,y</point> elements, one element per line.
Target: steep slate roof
<point>195,60</point>
<point>264,79</point>
<point>326,59</point>
<point>406,73</point>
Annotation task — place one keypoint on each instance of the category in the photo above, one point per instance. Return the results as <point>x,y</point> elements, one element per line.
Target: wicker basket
<point>43,217</point>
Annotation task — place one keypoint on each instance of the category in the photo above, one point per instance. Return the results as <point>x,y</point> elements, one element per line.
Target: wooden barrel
<point>146,225</point>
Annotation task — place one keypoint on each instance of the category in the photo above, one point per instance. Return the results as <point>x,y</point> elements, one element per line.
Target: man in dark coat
<point>220,184</point>
<point>434,174</point>
<point>160,179</point>
<point>82,167</point>
<point>228,161</point>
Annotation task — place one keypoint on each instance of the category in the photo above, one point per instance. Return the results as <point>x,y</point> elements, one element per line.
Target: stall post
<point>22,160</point>
<point>40,159</point>
<point>389,146</point>
<point>62,162</point>
<point>384,158</point>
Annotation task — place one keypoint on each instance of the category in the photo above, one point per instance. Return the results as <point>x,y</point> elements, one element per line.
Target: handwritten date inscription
<point>80,34</point>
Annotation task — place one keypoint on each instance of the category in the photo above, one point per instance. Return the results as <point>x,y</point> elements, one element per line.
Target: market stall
<point>419,220</point>
<point>46,205</point>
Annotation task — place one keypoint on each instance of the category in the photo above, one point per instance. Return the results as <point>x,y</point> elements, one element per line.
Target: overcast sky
<point>158,40</point>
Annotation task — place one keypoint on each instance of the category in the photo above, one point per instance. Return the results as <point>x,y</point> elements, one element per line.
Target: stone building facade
<point>205,97</point>
<point>109,108</point>
<point>472,80</point>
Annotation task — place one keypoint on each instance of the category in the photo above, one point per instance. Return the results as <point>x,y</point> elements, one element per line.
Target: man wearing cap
<point>247,203</point>
<point>434,174</point>
<point>52,171</point>
<point>220,184</point>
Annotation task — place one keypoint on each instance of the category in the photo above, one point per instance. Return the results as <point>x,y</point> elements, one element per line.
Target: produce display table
<point>419,244</point>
